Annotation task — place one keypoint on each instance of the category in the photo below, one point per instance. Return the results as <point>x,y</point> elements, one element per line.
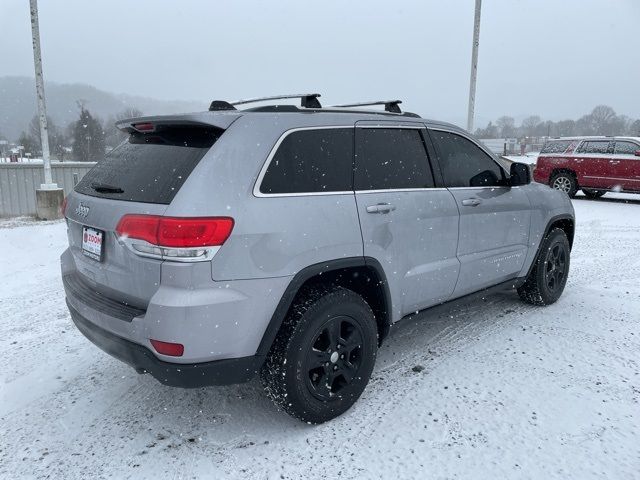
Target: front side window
<point>626,148</point>
<point>311,161</point>
<point>391,158</point>
<point>597,146</point>
<point>464,164</point>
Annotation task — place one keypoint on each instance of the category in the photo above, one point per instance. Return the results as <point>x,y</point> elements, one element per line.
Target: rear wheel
<point>565,182</point>
<point>323,355</point>
<point>547,278</point>
<point>593,193</point>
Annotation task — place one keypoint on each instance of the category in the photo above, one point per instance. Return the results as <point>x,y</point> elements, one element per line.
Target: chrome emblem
<point>82,210</point>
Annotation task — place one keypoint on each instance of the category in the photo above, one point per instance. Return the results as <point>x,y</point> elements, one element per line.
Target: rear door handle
<point>471,202</point>
<point>381,208</point>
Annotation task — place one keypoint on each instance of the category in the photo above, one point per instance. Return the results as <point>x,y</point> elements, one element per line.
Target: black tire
<point>565,182</point>
<point>548,277</point>
<point>593,193</point>
<point>307,373</point>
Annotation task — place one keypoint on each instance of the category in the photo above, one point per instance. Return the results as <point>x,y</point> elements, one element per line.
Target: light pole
<point>474,66</point>
<point>48,197</point>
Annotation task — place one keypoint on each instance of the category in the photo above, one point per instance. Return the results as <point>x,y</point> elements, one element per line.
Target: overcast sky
<point>554,58</point>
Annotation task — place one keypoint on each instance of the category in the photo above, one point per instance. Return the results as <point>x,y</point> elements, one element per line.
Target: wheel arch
<point>566,223</point>
<point>363,275</point>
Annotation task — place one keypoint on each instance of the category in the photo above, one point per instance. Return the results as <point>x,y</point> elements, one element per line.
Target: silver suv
<point>285,241</point>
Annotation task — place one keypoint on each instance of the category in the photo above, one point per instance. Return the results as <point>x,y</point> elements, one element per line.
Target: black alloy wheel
<point>555,267</point>
<point>335,357</point>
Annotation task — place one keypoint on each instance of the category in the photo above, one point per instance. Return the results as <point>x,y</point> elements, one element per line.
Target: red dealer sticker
<point>92,243</point>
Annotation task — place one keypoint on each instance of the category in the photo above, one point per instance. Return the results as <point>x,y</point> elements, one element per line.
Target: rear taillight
<point>194,238</point>
<point>194,232</point>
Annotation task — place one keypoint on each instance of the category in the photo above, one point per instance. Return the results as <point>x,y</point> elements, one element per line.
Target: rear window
<point>556,147</point>
<point>149,167</point>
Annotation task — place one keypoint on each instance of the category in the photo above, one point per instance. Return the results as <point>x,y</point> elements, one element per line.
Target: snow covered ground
<point>507,390</point>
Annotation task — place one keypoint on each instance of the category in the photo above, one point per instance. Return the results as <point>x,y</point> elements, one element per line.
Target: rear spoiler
<point>149,124</point>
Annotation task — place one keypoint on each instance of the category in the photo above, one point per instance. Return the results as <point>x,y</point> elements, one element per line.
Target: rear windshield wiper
<point>104,188</point>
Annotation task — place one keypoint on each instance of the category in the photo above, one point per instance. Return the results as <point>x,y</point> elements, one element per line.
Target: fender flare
<point>315,270</point>
<point>547,229</point>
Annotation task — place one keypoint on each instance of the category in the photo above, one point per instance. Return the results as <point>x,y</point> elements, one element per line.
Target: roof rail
<point>307,100</point>
<point>389,105</point>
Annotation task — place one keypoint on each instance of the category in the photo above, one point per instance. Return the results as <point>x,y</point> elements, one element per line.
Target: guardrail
<point>18,183</point>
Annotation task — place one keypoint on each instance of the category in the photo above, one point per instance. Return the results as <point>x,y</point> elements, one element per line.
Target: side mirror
<point>519,174</point>
<point>637,153</point>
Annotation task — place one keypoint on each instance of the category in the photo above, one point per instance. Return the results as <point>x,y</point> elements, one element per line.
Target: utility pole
<point>474,66</point>
<point>48,197</point>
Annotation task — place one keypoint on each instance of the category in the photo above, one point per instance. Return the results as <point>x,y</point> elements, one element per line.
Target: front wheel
<point>593,193</point>
<point>565,182</point>
<point>547,278</point>
<point>323,355</point>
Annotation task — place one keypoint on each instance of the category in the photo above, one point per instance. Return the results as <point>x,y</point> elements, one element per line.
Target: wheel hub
<point>563,184</point>
<point>334,359</point>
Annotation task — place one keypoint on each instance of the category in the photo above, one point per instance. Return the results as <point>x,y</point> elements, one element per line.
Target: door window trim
<point>272,153</point>
<point>489,153</point>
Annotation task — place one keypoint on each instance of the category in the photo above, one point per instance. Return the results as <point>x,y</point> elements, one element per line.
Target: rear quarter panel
<point>273,236</point>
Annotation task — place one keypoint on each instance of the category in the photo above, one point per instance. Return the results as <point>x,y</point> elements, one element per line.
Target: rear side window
<point>627,148</point>
<point>391,158</point>
<point>149,167</point>
<point>311,161</point>
<point>594,147</point>
<point>464,164</point>
<point>556,147</point>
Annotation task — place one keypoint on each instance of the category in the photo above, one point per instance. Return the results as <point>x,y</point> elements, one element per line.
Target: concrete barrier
<point>18,183</point>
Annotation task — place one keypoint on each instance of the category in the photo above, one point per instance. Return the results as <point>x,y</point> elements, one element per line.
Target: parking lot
<point>484,390</point>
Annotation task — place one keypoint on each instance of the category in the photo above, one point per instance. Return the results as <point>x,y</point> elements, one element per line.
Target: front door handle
<point>471,202</point>
<point>381,208</point>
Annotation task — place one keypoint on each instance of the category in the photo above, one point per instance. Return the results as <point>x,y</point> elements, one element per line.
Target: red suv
<point>594,165</point>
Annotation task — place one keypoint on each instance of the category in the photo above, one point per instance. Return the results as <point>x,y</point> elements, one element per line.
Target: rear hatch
<point>140,176</point>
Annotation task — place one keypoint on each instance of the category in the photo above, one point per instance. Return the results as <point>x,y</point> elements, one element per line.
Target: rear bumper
<point>213,320</point>
<point>193,375</point>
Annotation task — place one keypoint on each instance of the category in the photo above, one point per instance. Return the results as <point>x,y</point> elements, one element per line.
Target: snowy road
<point>507,391</point>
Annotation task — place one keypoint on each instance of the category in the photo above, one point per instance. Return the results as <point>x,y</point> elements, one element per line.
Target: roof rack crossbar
<point>307,100</point>
<point>389,105</point>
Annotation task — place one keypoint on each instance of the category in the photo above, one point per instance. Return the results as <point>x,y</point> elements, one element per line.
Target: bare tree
<point>634,128</point>
<point>529,125</point>
<point>506,126</point>
<point>113,136</point>
<point>602,120</point>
